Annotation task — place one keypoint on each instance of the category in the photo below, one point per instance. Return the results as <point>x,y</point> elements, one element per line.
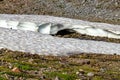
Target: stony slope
<point>92,10</point>
<point>16,65</point>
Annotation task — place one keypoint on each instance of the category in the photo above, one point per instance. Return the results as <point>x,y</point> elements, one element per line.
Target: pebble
<point>10,66</point>
<point>83,61</point>
<point>29,79</point>
<point>6,76</point>
<point>81,71</point>
<point>15,69</point>
<point>86,61</point>
<point>102,69</point>
<point>90,74</point>
<point>31,61</point>
<point>42,77</point>
<point>57,78</point>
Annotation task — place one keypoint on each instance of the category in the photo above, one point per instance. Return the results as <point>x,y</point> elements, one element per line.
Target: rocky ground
<point>92,10</point>
<point>24,66</point>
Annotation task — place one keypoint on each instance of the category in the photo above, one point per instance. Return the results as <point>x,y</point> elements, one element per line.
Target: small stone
<point>83,61</point>
<point>15,78</point>
<point>15,69</point>
<point>57,78</point>
<point>10,65</point>
<point>86,61</point>
<point>102,69</point>
<point>11,78</point>
<point>36,72</point>
<point>81,71</point>
<point>64,73</point>
<point>31,60</point>
<point>77,72</point>
<point>42,77</point>
<point>6,76</point>
<point>29,79</point>
<point>83,77</point>
<point>90,74</point>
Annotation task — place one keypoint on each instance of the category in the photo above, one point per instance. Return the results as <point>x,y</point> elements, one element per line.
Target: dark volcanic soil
<point>92,10</point>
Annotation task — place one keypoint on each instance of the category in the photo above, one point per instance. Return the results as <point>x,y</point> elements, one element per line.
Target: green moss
<point>20,74</point>
<point>87,68</point>
<point>63,67</point>
<point>1,78</point>
<point>2,68</point>
<point>97,78</point>
<point>112,72</point>
<point>62,76</point>
<point>24,66</point>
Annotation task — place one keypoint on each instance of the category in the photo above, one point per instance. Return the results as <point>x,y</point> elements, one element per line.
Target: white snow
<point>49,28</point>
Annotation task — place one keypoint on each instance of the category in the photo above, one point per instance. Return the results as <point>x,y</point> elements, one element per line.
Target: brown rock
<point>81,71</point>
<point>16,69</point>
<point>90,74</point>
<point>31,60</point>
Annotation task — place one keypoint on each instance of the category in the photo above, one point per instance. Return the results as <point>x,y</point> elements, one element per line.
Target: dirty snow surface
<point>33,42</point>
<point>44,44</point>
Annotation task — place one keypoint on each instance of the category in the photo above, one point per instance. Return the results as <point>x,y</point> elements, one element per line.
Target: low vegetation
<point>25,66</point>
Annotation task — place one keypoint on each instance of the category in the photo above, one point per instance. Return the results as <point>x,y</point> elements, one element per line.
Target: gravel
<point>91,10</point>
